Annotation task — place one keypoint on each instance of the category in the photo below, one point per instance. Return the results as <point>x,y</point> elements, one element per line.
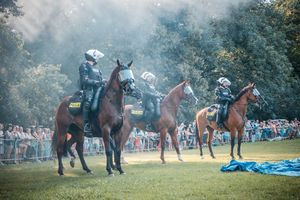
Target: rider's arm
<point>84,76</point>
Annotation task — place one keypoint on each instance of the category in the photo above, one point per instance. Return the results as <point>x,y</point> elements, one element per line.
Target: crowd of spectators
<point>34,143</point>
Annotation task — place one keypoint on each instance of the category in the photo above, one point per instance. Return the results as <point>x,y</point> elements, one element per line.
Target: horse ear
<point>118,62</point>
<point>253,84</point>
<point>129,64</point>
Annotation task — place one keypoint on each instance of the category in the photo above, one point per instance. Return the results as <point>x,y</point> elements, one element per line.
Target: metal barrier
<point>13,151</point>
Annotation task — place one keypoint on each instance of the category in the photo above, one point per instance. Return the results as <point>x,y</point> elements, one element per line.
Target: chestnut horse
<point>235,122</point>
<point>109,119</point>
<point>167,122</point>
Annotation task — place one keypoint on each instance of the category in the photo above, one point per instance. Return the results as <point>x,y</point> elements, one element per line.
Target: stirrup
<point>87,130</point>
<point>148,126</point>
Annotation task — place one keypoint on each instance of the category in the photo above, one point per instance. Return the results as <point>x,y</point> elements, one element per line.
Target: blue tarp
<point>285,167</point>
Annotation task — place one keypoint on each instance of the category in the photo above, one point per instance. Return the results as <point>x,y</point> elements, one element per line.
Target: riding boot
<point>87,129</point>
<point>219,118</point>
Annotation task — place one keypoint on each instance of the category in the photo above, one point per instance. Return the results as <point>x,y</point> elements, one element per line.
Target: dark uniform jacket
<point>223,94</point>
<point>89,76</point>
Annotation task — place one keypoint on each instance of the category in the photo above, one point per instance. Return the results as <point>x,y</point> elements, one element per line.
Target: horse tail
<point>54,143</point>
<point>197,131</point>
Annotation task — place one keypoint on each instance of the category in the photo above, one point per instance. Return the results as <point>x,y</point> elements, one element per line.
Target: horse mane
<point>110,81</point>
<point>241,93</point>
<point>175,88</point>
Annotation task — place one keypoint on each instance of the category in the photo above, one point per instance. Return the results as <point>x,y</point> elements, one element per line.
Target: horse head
<point>126,79</point>
<point>188,93</point>
<point>252,94</point>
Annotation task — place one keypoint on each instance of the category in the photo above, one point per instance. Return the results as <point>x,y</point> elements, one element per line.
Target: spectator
<point>1,143</point>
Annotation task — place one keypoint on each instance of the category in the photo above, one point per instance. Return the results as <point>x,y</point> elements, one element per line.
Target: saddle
<point>212,112</point>
<point>137,115</point>
<point>76,102</point>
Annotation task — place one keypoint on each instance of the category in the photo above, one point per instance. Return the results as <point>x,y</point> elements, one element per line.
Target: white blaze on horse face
<point>126,75</point>
<point>256,92</point>
<point>188,90</point>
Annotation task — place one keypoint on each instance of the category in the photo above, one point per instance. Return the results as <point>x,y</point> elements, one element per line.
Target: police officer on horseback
<point>151,99</point>
<point>223,97</point>
<point>90,80</point>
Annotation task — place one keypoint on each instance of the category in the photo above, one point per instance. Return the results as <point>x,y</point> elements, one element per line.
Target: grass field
<point>146,178</point>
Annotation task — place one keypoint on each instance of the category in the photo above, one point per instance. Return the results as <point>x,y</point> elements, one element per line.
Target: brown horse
<point>235,122</point>
<point>166,123</point>
<point>109,119</point>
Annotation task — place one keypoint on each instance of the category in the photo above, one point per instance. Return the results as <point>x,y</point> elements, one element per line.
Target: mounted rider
<point>90,80</point>
<point>151,99</point>
<point>223,97</point>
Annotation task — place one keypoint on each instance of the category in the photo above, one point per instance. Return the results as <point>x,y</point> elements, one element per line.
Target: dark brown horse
<point>235,122</point>
<point>166,123</point>
<point>109,119</point>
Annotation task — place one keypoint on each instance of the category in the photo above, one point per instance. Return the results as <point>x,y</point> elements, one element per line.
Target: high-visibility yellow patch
<point>137,112</point>
<point>212,113</point>
<point>75,105</point>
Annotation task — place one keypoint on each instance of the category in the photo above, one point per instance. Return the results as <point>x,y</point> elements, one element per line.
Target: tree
<point>35,97</point>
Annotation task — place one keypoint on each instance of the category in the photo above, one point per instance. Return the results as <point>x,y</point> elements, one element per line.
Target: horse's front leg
<point>240,138</point>
<point>117,153</point>
<point>173,135</point>
<point>69,145</point>
<point>163,134</point>
<point>232,143</point>
<point>79,149</point>
<point>108,151</point>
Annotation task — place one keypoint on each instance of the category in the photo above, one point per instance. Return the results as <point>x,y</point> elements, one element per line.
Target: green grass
<point>146,178</point>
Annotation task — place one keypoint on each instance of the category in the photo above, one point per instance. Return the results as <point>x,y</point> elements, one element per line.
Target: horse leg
<point>209,141</point>
<point>240,138</point>
<point>163,134</point>
<point>200,138</point>
<point>60,152</point>
<point>69,145</point>
<point>173,135</point>
<point>108,151</point>
<point>61,131</point>
<point>232,143</point>
<point>117,153</point>
<point>79,149</point>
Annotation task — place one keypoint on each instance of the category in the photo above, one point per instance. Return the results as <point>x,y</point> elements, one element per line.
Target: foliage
<point>35,97</point>
<point>146,178</point>
<point>248,46</point>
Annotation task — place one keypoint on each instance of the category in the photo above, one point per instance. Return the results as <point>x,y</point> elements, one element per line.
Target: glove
<point>97,83</point>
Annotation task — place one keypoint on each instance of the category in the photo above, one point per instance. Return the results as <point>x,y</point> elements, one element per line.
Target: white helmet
<point>93,55</point>
<point>148,76</point>
<point>224,81</point>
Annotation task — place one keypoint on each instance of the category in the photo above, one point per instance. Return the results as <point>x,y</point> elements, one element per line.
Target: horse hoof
<point>72,163</point>
<point>111,175</point>
<point>241,157</point>
<point>90,173</point>
<point>163,162</point>
<point>202,157</point>
<point>123,173</point>
<point>181,160</point>
<point>213,157</point>
<point>61,175</point>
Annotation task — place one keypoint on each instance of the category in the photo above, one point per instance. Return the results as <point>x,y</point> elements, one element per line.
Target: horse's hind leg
<point>61,131</point>
<point>240,138</point>
<point>209,140</point>
<point>173,135</point>
<point>79,149</point>
<point>200,138</point>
